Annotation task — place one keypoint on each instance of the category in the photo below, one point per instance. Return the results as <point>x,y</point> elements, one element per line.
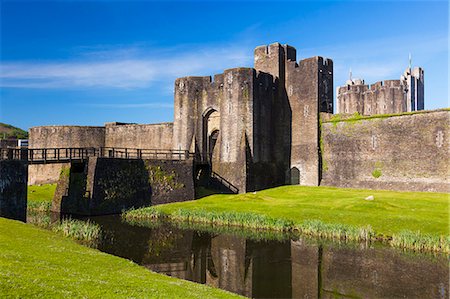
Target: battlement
<point>265,52</point>
<point>388,96</point>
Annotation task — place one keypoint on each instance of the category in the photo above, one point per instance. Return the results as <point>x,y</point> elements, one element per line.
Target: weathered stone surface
<point>13,189</point>
<point>107,185</point>
<point>66,136</point>
<point>383,97</point>
<point>154,136</point>
<point>381,273</point>
<point>44,173</point>
<point>409,152</point>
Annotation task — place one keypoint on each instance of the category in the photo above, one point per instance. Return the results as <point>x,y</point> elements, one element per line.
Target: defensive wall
<point>107,186</point>
<point>60,137</point>
<point>118,135</point>
<point>154,136</point>
<point>406,152</point>
<point>13,189</point>
<point>383,97</point>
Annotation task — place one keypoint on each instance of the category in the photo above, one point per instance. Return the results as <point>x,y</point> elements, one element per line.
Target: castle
<point>383,97</point>
<point>270,125</point>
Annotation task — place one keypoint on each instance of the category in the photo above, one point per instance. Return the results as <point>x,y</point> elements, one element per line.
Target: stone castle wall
<point>60,137</point>
<point>44,173</point>
<point>303,90</point>
<point>238,105</point>
<point>153,136</point>
<point>13,189</point>
<point>383,97</point>
<point>407,152</point>
<point>66,136</point>
<point>310,92</point>
<point>104,186</point>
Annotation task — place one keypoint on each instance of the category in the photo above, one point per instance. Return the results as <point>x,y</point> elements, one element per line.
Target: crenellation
<point>388,96</point>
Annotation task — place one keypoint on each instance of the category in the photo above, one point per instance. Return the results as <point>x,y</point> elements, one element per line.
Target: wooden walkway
<point>63,155</point>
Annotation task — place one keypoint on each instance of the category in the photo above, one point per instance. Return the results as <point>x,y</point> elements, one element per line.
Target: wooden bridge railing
<point>57,155</point>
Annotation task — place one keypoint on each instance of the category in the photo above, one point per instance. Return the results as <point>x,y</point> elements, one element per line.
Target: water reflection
<point>277,269</point>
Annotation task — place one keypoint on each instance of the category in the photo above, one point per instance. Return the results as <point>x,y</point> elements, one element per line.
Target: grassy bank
<point>415,220</point>
<point>40,197</point>
<point>40,263</point>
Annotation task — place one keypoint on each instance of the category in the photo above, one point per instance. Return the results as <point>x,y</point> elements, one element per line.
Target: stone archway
<point>211,126</point>
<point>212,143</point>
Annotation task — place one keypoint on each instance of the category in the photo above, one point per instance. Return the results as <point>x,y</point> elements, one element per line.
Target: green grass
<point>39,263</point>
<point>40,197</point>
<point>324,211</point>
<point>356,116</point>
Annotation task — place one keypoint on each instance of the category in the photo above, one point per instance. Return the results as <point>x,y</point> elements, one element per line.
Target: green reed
<point>313,228</point>
<point>86,232</point>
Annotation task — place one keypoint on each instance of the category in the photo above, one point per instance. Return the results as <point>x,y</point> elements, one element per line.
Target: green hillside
<point>8,131</point>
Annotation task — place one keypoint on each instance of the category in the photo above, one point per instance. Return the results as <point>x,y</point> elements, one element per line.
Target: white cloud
<point>123,68</point>
<point>132,106</point>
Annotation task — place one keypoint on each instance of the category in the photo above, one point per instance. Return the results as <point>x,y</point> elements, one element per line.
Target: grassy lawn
<point>40,196</point>
<point>389,213</point>
<point>39,263</point>
<point>41,193</point>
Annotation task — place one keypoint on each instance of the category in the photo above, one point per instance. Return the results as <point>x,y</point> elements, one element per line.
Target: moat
<point>277,266</point>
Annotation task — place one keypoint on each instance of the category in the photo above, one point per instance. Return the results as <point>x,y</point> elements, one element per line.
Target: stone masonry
<point>383,97</point>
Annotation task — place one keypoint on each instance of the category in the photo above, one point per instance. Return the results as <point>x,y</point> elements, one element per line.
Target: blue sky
<point>91,62</point>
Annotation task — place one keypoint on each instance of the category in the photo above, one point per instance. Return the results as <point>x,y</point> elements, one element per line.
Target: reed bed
<point>199,218</point>
<point>420,242</point>
<point>86,232</point>
<point>37,206</point>
<point>336,231</point>
<point>39,218</point>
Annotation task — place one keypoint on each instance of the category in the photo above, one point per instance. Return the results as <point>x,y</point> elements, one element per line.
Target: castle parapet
<point>388,96</point>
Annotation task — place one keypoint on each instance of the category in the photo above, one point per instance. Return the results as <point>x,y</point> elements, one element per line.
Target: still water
<point>280,268</point>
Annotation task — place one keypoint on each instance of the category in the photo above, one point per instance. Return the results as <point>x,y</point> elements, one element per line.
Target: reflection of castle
<point>279,269</point>
<point>383,97</point>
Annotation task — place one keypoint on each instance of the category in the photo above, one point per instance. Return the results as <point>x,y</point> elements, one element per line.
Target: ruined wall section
<point>408,152</point>
<point>152,136</point>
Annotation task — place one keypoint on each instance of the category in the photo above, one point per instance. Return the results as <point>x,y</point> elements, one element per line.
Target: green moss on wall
<point>160,180</point>
<point>376,173</point>
<point>65,172</point>
<point>357,117</point>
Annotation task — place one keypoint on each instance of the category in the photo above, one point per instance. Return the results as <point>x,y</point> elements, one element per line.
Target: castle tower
<point>414,83</point>
<point>383,97</point>
<point>304,89</point>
